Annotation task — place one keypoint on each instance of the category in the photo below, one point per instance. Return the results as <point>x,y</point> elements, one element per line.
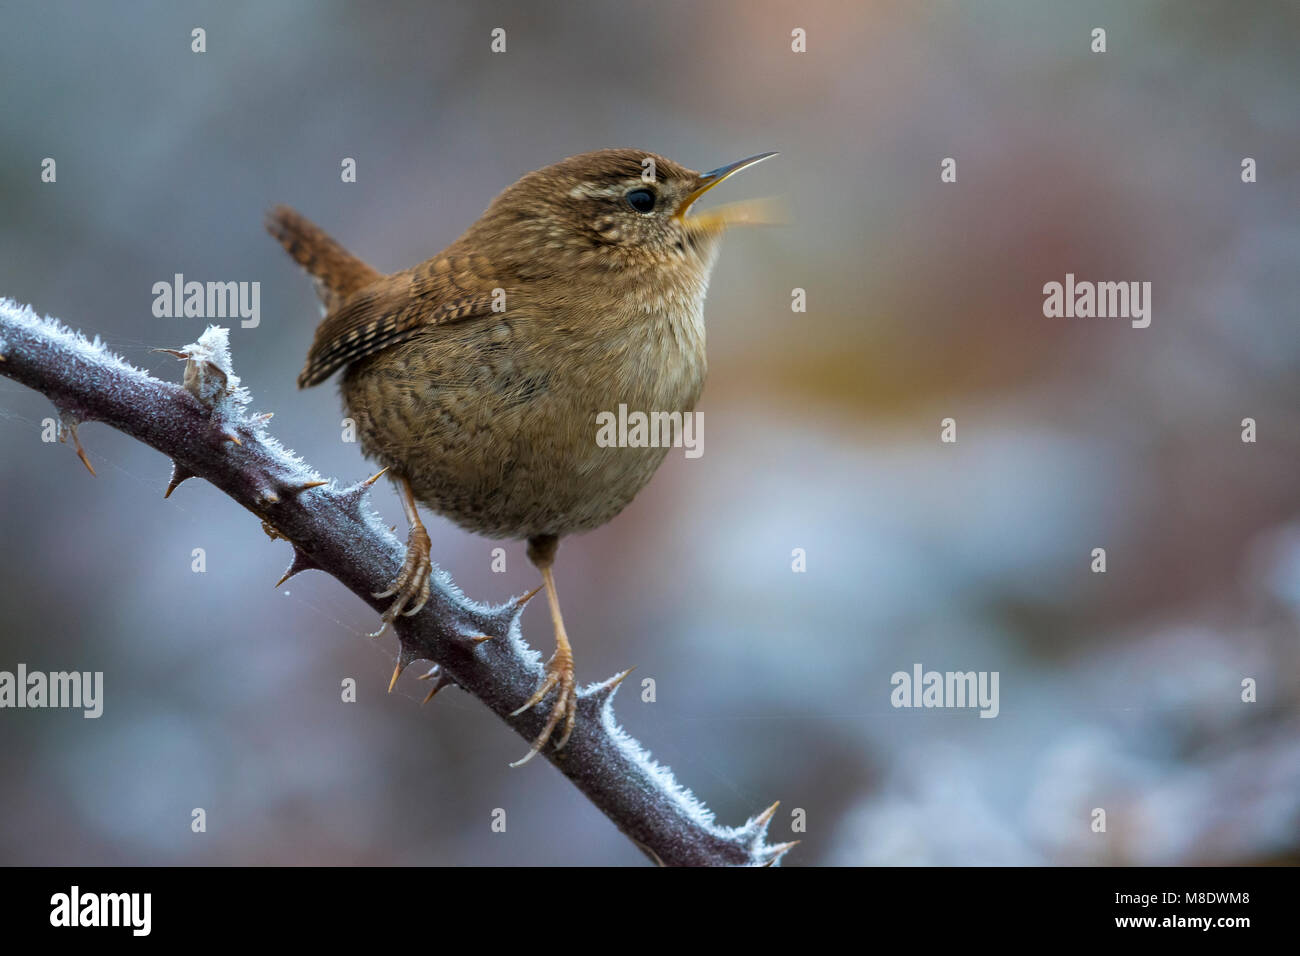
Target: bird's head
<point>610,210</point>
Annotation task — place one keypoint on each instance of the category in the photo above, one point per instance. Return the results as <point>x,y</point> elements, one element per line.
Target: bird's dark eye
<point>642,200</point>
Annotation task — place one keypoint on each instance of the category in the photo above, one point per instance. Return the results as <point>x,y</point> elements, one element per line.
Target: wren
<point>476,377</point>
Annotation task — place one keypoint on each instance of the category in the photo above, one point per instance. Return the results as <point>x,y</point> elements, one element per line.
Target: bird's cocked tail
<point>338,273</point>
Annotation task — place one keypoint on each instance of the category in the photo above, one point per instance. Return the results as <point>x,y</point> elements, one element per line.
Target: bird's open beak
<point>710,179</point>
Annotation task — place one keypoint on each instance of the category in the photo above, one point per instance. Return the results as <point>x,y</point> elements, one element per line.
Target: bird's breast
<point>496,422</point>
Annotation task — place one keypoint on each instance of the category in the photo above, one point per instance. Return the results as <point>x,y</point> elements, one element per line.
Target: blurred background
<point>1119,690</point>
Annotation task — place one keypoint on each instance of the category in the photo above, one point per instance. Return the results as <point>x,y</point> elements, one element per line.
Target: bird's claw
<point>559,674</point>
<point>410,589</point>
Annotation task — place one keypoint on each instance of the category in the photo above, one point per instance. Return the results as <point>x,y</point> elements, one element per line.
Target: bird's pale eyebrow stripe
<point>599,190</point>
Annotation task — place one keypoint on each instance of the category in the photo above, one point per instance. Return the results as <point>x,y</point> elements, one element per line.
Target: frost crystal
<point>209,373</point>
<point>22,317</point>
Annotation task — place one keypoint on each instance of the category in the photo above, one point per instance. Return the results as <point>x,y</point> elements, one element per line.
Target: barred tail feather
<point>339,273</point>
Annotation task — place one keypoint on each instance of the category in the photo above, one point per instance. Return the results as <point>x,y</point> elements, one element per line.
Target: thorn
<point>761,821</point>
<point>175,352</point>
<point>756,827</point>
<point>440,680</point>
<point>352,495</point>
<point>507,614</point>
<point>297,489</point>
<point>479,638</point>
<point>299,564</point>
<point>68,426</point>
<point>654,857</point>
<point>267,497</point>
<point>603,692</point>
<point>618,678</point>
<point>229,435</point>
<point>263,418</point>
<point>81,453</point>
<point>272,531</point>
<point>404,658</point>
<point>780,850</point>
<point>179,474</point>
<point>519,602</point>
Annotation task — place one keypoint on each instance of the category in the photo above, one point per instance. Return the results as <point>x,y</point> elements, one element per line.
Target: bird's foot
<point>559,676</point>
<point>410,590</point>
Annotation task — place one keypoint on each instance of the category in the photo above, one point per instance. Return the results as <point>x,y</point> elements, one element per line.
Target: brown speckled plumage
<point>477,376</point>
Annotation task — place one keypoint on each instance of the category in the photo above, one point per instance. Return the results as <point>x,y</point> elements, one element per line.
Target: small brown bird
<point>477,377</point>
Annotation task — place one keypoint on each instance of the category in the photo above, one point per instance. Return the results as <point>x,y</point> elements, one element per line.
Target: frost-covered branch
<point>204,427</point>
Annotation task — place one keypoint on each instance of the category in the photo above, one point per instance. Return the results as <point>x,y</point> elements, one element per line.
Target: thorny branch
<point>203,426</point>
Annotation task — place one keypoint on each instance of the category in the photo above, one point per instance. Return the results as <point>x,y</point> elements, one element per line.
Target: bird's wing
<point>451,288</point>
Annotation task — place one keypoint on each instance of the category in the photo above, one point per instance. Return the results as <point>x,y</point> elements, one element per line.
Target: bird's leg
<point>559,669</point>
<point>410,590</point>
